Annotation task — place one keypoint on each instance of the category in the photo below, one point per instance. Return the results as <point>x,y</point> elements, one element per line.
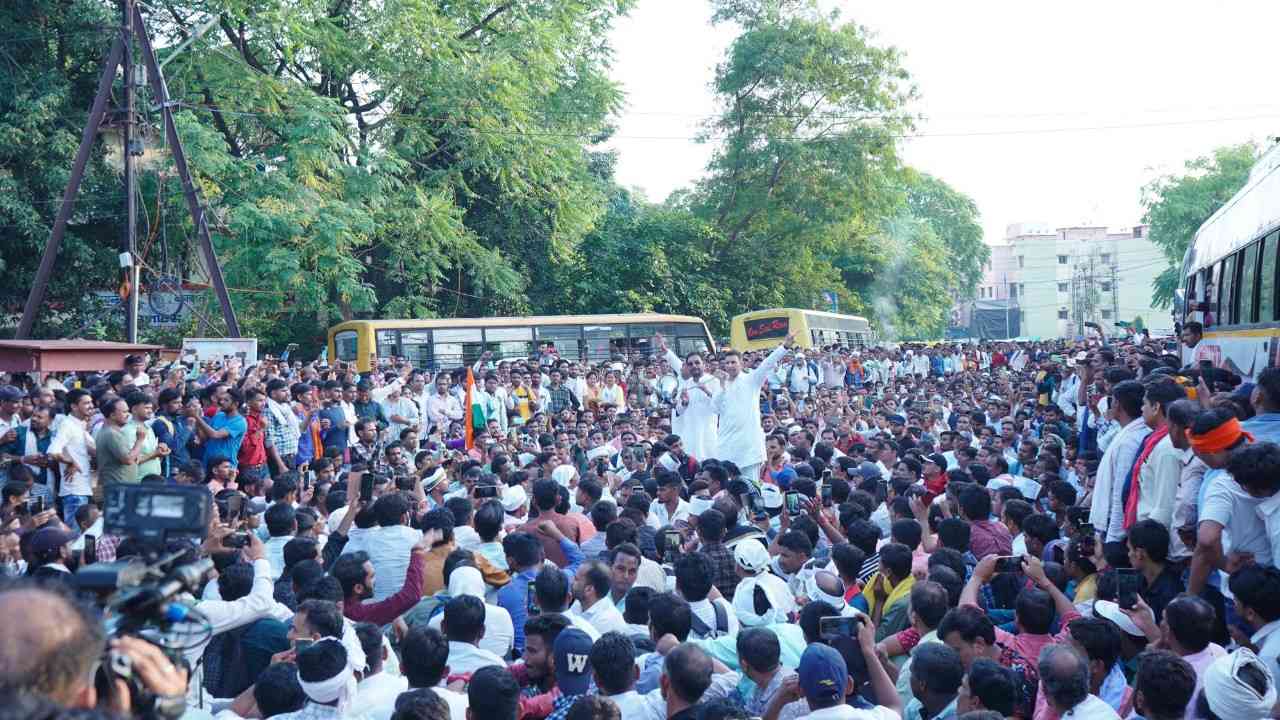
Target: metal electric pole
<point>132,147</point>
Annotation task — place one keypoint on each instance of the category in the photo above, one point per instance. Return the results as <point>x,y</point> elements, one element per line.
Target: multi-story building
<point>1057,280</point>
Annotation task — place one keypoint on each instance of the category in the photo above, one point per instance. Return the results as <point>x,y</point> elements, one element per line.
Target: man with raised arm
<point>738,405</point>
<point>695,409</point>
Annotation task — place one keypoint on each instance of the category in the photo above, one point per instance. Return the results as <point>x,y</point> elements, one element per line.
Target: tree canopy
<point>1176,205</point>
<point>409,159</point>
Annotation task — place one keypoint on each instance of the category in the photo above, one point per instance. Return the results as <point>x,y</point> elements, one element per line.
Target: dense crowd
<point>1066,529</point>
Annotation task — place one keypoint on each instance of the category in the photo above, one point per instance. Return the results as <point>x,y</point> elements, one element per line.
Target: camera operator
<point>56,649</point>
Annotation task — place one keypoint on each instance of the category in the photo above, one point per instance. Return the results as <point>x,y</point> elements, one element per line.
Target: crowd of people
<point>1065,529</point>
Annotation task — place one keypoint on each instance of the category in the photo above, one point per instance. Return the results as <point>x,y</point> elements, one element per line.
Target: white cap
<point>772,496</point>
<point>1109,610</point>
<point>1228,696</point>
<point>751,557</point>
<point>431,481</point>
<point>744,604</point>
<point>564,474</point>
<point>514,498</point>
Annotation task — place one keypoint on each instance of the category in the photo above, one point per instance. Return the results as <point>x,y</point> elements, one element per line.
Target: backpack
<point>706,632</point>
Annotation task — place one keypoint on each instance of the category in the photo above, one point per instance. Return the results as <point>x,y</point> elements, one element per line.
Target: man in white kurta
<point>695,411</point>
<point>738,405</point>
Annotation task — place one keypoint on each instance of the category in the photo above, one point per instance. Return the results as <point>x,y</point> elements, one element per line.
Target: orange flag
<point>469,419</point>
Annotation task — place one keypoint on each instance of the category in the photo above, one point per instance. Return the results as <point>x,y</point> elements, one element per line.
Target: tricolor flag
<point>475,418</point>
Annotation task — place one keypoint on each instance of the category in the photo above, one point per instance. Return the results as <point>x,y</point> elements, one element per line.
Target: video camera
<point>140,595</point>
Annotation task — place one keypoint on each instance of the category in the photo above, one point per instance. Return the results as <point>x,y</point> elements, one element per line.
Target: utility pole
<point>128,257</point>
<point>134,30</point>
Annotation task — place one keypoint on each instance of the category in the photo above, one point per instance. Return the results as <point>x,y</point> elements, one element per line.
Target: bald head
<point>54,649</point>
<point>1065,675</point>
<point>829,583</point>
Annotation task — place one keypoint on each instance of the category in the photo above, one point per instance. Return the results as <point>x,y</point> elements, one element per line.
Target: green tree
<point>806,164</point>
<point>1176,205</point>
<point>953,216</point>
<point>396,159</point>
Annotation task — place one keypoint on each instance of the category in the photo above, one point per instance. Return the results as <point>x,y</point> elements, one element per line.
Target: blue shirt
<point>1264,427</point>
<point>336,436</point>
<point>229,446</point>
<point>514,596</point>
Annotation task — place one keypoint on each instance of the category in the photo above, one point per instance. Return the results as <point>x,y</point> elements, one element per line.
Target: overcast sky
<point>1041,112</point>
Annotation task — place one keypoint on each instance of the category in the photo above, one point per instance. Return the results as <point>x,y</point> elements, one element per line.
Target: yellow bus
<point>453,342</point>
<point>765,329</point>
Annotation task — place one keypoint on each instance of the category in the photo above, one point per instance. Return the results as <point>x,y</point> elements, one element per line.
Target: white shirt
<point>705,612</point>
<point>848,712</point>
<point>603,616</point>
<point>1267,640</point>
<point>659,517</point>
<point>738,405</point>
<point>634,706</point>
<point>275,554</point>
<point>73,437</point>
<point>457,705</point>
<point>388,549</point>
<point>466,537</point>
<point>1269,512</point>
<point>499,631</point>
<point>405,408</point>
<point>1243,530</point>
<point>1158,482</point>
<point>378,690</point>
<point>697,420</point>
<point>1107,510</point>
<point>467,658</point>
<point>1093,708</point>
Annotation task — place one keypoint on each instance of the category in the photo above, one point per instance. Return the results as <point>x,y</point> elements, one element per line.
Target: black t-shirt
<point>1167,586</point>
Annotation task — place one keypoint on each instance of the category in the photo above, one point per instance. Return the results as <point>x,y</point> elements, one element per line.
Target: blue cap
<point>823,673</point>
<point>573,661</point>
<point>897,420</point>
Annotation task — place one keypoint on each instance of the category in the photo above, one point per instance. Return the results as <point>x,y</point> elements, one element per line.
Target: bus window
<point>509,342</point>
<point>1227,292</point>
<point>347,344</point>
<point>567,340</point>
<point>416,347</point>
<point>604,340</point>
<point>456,346</point>
<point>1248,274</point>
<point>386,344</point>
<point>686,345</point>
<point>1267,291</point>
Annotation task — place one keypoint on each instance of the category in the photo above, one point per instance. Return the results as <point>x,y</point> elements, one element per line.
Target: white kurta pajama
<point>697,420</point>
<point>738,405</point>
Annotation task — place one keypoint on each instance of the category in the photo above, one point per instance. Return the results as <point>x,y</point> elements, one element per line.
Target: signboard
<point>220,349</point>
<point>766,328</point>
<point>166,308</point>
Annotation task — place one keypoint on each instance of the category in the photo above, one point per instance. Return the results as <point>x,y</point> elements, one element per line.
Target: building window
<point>1062,287</point>
<point>1106,286</point>
<point>1137,232</point>
<point>1019,262</point>
<point>1106,258</point>
<point>1013,290</point>
<point>1106,314</point>
<point>1062,314</point>
<point>1062,259</point>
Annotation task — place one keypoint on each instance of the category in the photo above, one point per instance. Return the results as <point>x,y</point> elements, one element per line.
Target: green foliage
<point>1176,205</point>
<point>419,159</point>
<point>358,158</point>
<point>953,217</point>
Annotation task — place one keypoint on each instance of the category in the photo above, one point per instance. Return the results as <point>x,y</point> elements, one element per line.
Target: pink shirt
<point>987,537</point>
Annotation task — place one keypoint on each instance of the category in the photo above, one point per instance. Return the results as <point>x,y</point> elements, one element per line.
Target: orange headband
<point>1218,439</point>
